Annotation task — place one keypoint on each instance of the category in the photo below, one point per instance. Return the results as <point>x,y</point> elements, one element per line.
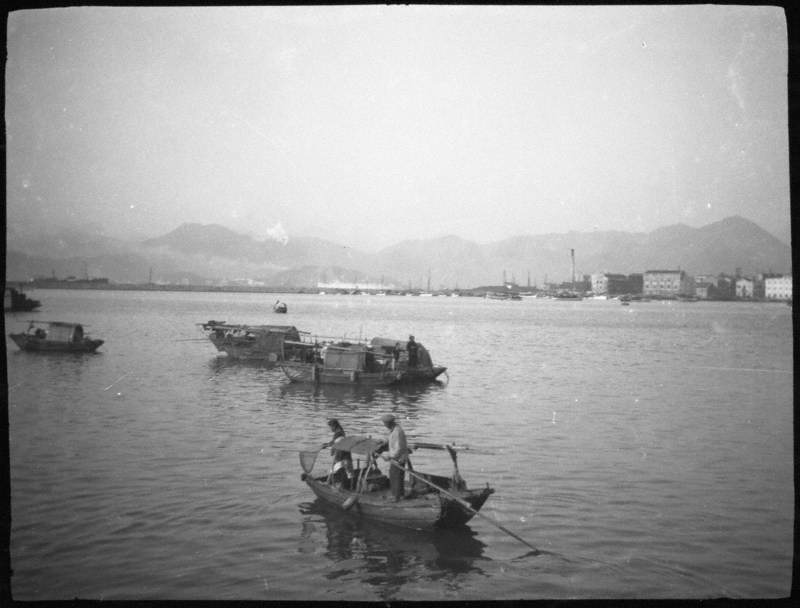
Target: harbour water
<point>645,450</point>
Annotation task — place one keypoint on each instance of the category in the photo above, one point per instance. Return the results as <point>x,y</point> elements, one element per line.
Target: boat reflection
<point>224,364</point>
<point>334,394</point>
<point>353,394</point>
<point>386,557</point>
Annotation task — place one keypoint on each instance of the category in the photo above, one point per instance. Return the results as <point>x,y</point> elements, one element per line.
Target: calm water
<point>647,451</point>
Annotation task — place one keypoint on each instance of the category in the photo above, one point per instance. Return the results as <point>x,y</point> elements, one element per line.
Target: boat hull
<point>33,344</point>
<point>18,301</point>
<point>257,343</point>
<point>425,512</point>
<point>317,374</point>
<point>421,374</point>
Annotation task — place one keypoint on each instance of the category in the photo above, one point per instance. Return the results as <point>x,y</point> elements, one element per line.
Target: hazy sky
<point>367,125</point>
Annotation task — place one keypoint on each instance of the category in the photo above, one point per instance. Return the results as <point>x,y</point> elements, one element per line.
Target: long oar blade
<point>466,505</point>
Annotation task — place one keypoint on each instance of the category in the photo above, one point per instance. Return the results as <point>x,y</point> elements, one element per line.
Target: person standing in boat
<point>412,349</point>
<point>396,356</point>
<point>342,468</point>
<point>397,452</point>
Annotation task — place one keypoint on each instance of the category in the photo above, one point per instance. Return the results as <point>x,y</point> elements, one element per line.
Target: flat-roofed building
<point>704,290</point>
<point>709,279</point>
<point>778,288</point>
<point>667,283</point>
<point>616,284</point>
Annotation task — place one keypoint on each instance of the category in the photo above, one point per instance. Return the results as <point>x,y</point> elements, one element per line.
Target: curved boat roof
<point>56,323</point>
<point>359,444</point>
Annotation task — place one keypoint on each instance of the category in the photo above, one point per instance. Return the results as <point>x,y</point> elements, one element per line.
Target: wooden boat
<point>55,336</point>
<point>503,295</point>
<point>280,307</point>
<point>568,295</point>
<point>17,301</point>
<point>431,501</point>
<point>342,362</point>
<point>251,342</point>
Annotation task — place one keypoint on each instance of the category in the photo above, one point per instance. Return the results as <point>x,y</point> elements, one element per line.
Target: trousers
<point>397,480</point>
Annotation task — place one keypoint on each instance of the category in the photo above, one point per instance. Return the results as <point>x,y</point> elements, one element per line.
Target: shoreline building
<point>353,285</point>
<point>778,288</point>
<point>667,283</point>
<point>616,284</point>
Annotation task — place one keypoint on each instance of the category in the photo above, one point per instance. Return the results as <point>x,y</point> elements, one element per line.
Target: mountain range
<point>200,253</point>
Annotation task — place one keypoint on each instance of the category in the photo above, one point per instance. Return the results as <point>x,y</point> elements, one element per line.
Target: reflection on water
<point>341,393</point>
<point>633,445</point>
<point>225,364</point>
<point>388,558</point>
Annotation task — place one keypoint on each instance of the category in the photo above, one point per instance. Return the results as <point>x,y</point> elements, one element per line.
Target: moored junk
<point>280,307</point>
<point>434,501</point>
<point>381,362</point>
<point>55,336</point>
<point>250,342</point>
<point>17,301</point>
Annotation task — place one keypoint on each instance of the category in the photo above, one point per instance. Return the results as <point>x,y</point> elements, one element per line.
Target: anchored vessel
<point>254,342</point>
<point>17,301</point>
<point>433,501</point>
<point>55,336</point>
<point>382,362</point>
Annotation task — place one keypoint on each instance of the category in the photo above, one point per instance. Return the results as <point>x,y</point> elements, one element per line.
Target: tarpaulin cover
<point>359,444</point>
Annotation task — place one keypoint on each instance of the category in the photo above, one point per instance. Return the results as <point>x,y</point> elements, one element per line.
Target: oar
<point>440,446</point>
<point>465,504</point>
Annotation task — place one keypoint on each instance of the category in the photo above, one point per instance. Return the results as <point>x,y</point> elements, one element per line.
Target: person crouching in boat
<point>398,452</point>
<point>342,468</point>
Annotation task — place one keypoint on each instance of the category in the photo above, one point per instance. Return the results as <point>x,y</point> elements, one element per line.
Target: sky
<point>369,125</point>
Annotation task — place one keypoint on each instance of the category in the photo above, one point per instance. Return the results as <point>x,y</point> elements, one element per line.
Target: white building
<point>668,283</point>
<point>744,288</point>
<point>778,288</point>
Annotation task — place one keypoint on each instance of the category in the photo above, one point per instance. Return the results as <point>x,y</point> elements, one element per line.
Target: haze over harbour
<point>370,125</point>
<point>215,256</point>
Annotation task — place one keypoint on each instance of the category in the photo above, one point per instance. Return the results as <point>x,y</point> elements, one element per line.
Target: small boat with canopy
<point>55,336</point>
<point>381,362</point>
<point>431,501</point>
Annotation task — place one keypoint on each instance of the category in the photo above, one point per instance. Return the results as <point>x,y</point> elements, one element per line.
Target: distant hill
<point>200,252</point>
<point>212,240</point>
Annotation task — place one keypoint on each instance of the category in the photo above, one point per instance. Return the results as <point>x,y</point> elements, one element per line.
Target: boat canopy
<point>60,331</point>
<point>358,444</point>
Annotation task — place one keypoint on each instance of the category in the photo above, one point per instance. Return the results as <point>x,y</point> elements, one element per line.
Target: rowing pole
<point>463,503</point>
